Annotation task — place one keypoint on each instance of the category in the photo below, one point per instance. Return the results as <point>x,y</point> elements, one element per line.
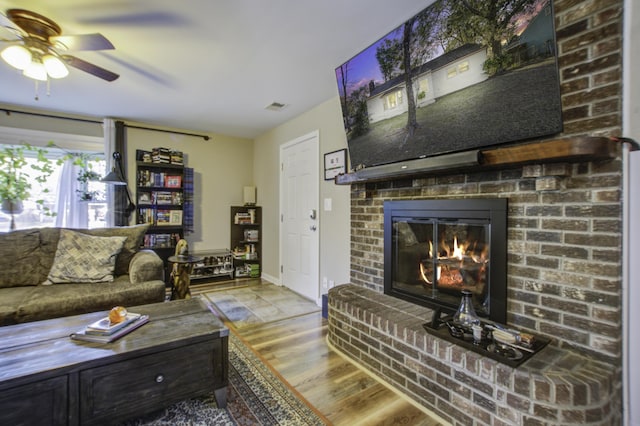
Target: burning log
<point>457,268</point>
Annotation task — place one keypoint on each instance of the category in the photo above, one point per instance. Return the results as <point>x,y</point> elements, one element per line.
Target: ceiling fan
<point>40,47</point>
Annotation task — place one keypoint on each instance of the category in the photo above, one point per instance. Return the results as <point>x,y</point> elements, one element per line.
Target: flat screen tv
<point>476,78</point>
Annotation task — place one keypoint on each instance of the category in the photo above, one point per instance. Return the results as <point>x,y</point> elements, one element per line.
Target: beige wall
<point>223,165</point>
<point>334,225</point>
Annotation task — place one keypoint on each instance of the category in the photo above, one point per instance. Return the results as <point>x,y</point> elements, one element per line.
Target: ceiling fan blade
<point>81,42</point>
<point>10,26</point>
<point>142,18</point>
<point>90,68</point>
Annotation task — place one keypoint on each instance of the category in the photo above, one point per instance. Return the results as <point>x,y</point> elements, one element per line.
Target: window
<point>463,67</point>
<point>423,88</point>
<point>46,196</point>
<point>452,72</point>
<point>392,100</point>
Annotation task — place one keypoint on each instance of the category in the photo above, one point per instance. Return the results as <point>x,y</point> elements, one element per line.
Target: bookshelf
<point>246,240</point>
<point>160,198</point>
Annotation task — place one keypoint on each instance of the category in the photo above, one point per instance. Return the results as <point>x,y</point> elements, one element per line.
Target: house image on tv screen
<point>445,74</point>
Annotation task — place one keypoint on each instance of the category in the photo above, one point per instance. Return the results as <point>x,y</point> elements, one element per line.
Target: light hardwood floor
<point>297,349</point>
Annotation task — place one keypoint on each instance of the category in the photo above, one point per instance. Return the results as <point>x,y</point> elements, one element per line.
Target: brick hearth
<point>385,335</point>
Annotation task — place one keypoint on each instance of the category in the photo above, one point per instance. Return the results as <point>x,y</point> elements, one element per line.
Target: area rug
<point>259,304</point>
<point>256,396</point>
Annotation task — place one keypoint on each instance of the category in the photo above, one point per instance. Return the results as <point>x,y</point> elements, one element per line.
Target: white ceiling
<point>206,65</point>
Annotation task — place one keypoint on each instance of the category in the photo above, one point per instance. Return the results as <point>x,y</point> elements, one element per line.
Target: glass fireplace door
<point>438,258</point>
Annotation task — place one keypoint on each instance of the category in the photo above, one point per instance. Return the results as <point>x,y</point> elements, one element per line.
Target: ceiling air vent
<point>275,106</point>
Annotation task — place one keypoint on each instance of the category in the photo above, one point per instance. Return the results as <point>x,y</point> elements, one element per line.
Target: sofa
<point>54,272</point>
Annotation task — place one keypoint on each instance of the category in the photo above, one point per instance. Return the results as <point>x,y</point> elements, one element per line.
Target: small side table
<point>181,275</point>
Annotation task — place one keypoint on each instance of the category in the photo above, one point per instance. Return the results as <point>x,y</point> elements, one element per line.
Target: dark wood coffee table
<point>46,378</point>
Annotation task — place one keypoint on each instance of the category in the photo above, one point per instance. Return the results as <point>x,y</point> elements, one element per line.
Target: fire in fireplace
<point>434,249</point>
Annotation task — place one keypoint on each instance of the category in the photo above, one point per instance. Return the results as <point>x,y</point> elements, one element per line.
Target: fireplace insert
<point>434,249</point>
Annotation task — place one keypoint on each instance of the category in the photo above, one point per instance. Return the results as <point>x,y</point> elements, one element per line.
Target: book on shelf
<point>158,179</point>
<point>161,155</point>
<point>89,334</point>
<point>176,198</point>
<point>145,215</point>
<point>173,181</point>
<point>163,217</point>
<point>162,197</point>
<point>147,178</point>
<point>160,240</point>
<point>253,269</point>
<point>177,157</point>
<point>243,219</point>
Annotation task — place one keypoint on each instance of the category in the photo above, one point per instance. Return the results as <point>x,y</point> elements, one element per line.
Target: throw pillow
<point>82,258</point>
<point>135,238</point>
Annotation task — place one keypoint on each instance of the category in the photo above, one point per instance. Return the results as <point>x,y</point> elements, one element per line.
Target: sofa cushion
<point>53,301</point>
<point>84,258</point>
<point>10,301</point>
<point>135,238</point>
<point>26,257</point>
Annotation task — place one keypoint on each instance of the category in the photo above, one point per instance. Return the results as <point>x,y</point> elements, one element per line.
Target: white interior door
<point>299,235</point>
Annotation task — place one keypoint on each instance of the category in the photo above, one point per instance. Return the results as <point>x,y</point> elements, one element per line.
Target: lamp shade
<point>36,71</point>
<point>113,178</point>
<point>17,56</point>
<point>54,66</point>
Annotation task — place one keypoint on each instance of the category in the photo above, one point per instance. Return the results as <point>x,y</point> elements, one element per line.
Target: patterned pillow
<point>82,258</point>
<point>135,238</point>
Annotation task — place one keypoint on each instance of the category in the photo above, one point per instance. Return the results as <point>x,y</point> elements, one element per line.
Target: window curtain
<point>120,199</point>
<point>71,212</point>
<point>114,132</point>
<point>109,130</point>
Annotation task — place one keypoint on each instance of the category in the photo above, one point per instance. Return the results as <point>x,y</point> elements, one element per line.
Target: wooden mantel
<point>580,148</point>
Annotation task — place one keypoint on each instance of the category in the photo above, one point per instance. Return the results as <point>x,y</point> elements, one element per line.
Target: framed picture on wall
<point>335,163</point>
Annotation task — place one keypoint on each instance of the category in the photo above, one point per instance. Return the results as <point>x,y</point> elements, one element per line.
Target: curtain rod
<point>38,114</point>
<point>205,137</point>
<point>84,120</point>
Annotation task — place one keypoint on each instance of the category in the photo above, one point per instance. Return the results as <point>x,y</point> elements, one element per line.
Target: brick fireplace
<point>564,260</point>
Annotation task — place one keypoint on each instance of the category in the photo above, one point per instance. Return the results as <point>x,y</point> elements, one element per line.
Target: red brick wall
<point>564,272</point>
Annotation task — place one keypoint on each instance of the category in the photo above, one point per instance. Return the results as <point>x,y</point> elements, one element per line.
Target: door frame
<point>315,134</point>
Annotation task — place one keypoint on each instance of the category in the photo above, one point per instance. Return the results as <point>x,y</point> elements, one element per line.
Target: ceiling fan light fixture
<point>36,70</point>
<point>54,66</point>
<point>17,56</point>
